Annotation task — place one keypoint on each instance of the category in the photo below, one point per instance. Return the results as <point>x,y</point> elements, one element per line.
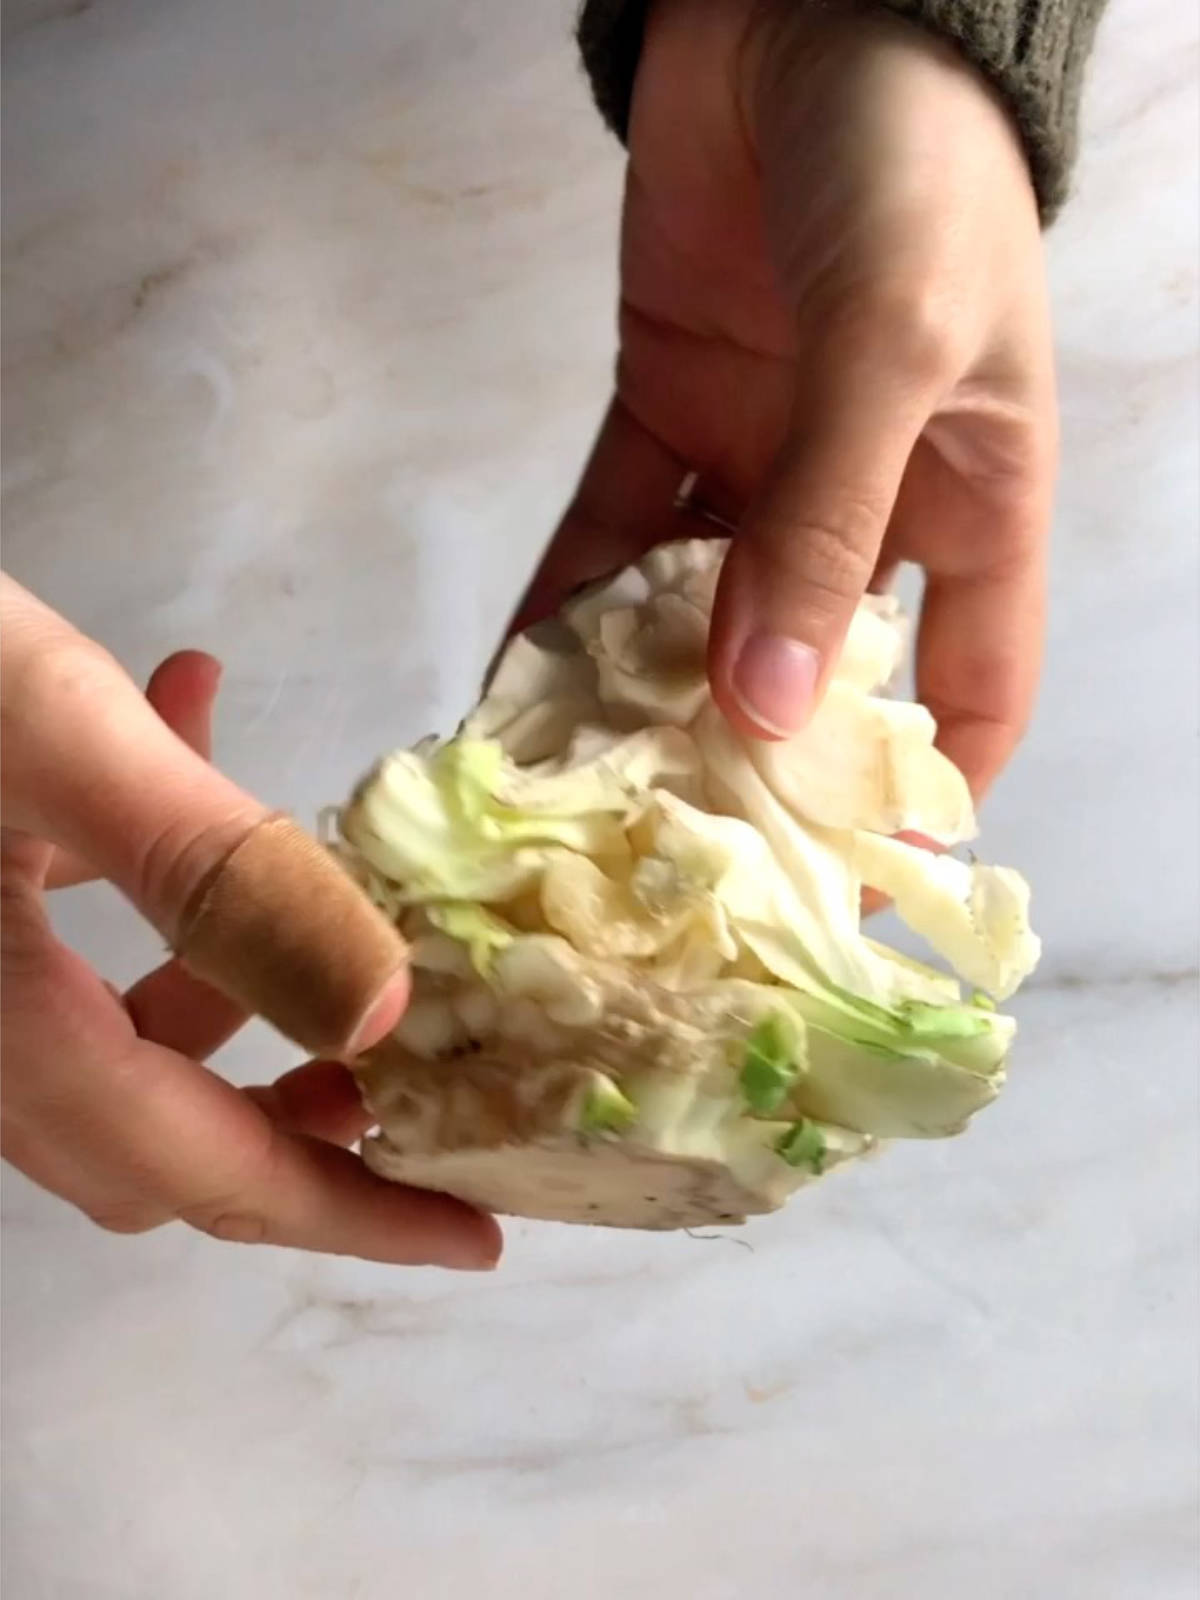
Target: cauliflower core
<point>641,995</point>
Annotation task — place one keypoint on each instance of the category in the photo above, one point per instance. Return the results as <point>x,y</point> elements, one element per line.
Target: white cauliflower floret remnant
<point>641,992</point>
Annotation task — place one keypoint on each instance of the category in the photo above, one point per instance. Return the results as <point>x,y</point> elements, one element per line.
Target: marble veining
<point>307,324</point>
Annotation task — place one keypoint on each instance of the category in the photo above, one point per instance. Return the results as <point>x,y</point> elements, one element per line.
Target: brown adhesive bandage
<point>282,929</point>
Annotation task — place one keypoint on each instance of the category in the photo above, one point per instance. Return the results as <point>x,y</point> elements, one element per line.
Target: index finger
<point>248,900</point>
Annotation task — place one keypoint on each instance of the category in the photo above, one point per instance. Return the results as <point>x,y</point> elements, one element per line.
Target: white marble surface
<point>306,327</point>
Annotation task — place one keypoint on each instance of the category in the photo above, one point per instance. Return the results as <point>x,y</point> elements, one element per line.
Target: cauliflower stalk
<point>642,995</point>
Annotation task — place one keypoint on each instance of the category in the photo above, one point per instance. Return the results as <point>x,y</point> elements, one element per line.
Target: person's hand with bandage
<point>106,1100</point>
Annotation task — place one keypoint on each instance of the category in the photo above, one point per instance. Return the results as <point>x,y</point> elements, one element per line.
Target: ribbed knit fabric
<point>1033,51</point>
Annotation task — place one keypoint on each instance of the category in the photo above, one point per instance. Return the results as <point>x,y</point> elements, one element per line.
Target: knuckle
<point>829,561</point>
<point>914,325</point>
<point>237,1211</point>
<point>67,673</point>
<point>922,335</point>
<point>231,1226</point>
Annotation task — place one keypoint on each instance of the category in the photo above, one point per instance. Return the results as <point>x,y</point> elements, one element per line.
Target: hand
<point>105,1100</point>
<point>833,309</point>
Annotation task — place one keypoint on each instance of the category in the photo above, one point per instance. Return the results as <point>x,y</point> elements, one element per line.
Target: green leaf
<point>606,1109</point>
<point>481,931</point>
<point>468,771</point>
<point>771,1064</point>
<point>924,1021</point>
<point>803,1145</point>
<point>444,824</point>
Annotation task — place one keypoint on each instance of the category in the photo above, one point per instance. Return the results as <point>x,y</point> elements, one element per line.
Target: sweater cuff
<point>1033,52</point>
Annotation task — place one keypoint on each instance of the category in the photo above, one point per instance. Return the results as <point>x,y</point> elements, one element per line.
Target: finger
<point>318,1100</point>
<point>810,541</point>
<point>974,510</point>
<point>979,655</point>
<point>136,1134</point>
<point>182,689</point>
<point>67,870</point>
<point>173,1007</point>
<point>887,567</point>
<point>624,506</point>
<point>251,903</point>
<point>309,1195</point>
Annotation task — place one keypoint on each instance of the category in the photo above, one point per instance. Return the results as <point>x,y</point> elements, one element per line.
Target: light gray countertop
<point>307,325</point>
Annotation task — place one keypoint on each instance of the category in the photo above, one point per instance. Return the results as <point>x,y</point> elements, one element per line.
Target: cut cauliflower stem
<point>641,992</point>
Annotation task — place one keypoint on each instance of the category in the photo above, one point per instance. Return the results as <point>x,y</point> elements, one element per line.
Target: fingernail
<point>471,1258</point>
<point>774,680</point>
<point>472,1265</point>
<point>382,1015</point>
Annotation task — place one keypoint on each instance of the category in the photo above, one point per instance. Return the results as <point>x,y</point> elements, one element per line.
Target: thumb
<point>248,899</point>
<point>808,545</point>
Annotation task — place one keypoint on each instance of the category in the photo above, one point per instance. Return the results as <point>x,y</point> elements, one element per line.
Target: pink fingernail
<point>481,1254</point>
<point>774,680</point>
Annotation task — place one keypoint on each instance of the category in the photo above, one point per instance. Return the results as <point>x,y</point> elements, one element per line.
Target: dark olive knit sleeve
<point>1032,50</point>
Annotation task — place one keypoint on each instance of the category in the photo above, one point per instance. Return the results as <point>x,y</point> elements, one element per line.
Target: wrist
<point>1032,53</point>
